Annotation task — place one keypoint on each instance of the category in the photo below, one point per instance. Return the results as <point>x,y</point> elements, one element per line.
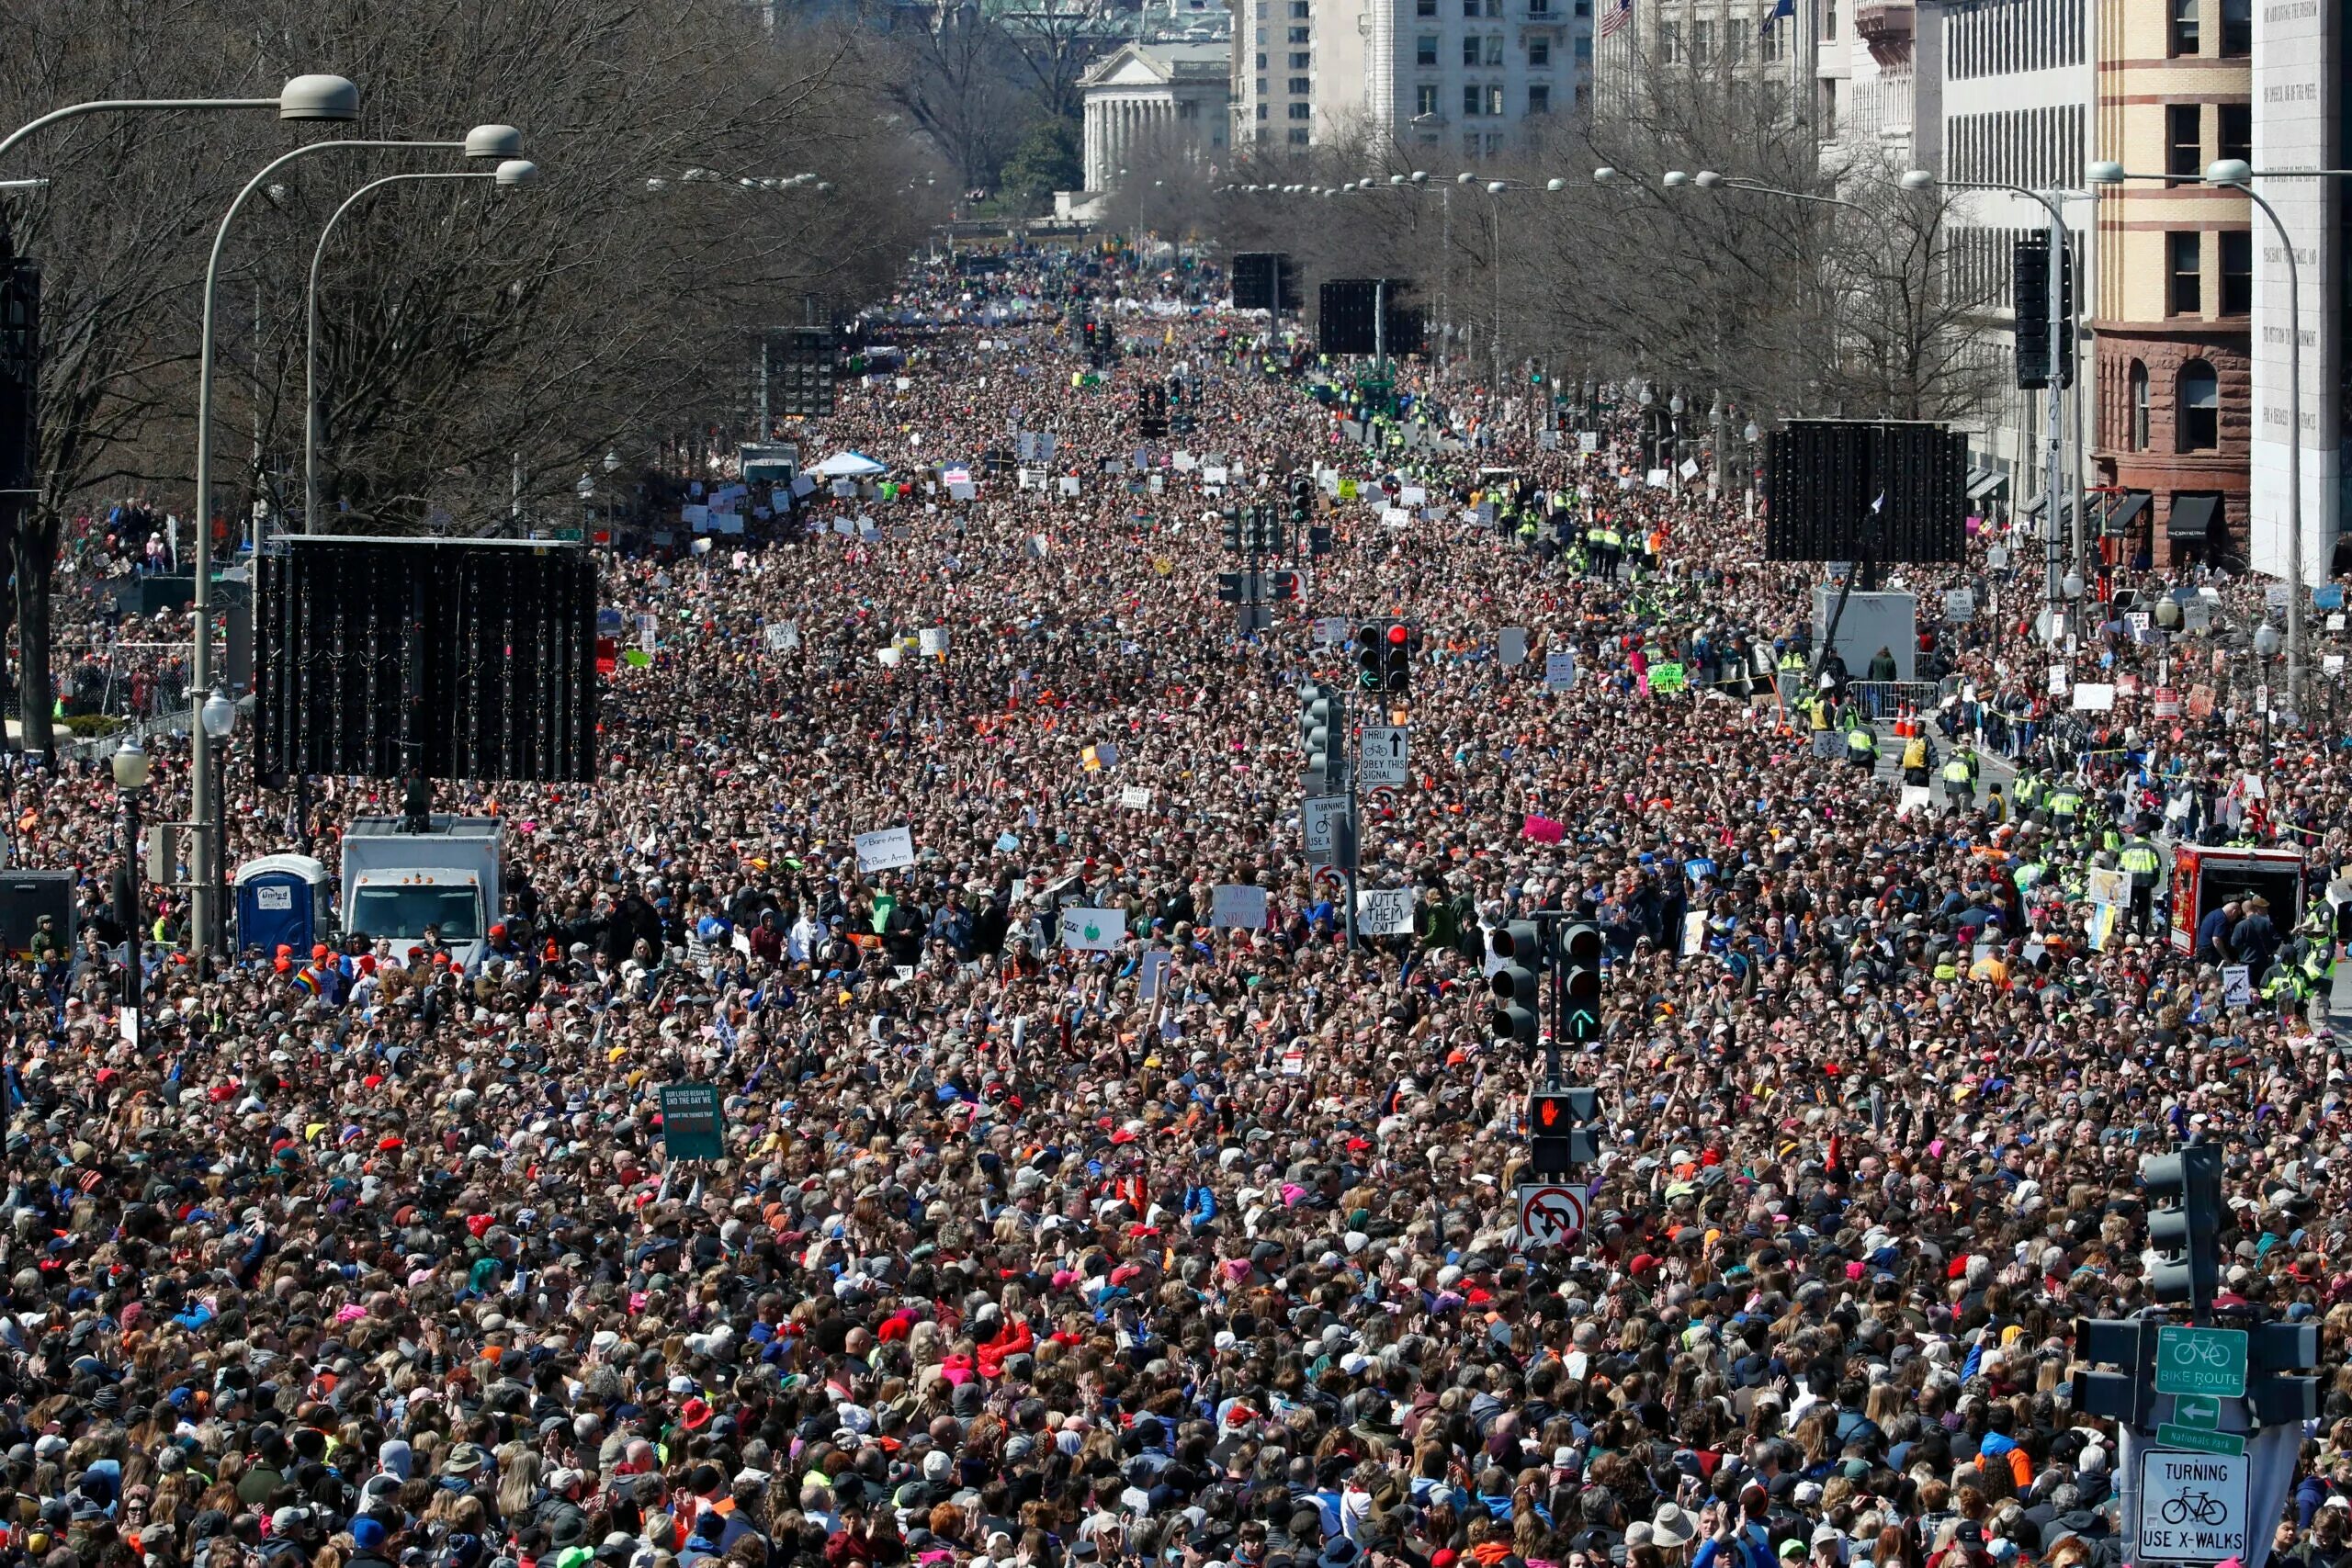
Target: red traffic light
<point>1398,634</point>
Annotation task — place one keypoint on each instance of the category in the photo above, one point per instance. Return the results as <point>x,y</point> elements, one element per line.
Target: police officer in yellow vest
<point>2139,858</point>
<point>1959,776</point>
<point>1861,747</point>
<point>1594,552</point>
<point>1914,760</point>
<point>2066,805</point>
<point>1612,552</point>
<point>1996,810</point>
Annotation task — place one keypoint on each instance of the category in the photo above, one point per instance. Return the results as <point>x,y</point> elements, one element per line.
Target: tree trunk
<point>36,560</point>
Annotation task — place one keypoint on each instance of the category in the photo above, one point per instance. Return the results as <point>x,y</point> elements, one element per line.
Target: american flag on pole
<point>1616,17</point>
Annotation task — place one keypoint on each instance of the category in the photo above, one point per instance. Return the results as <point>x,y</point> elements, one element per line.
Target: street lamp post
<point>511,173</point>
<point>217,719</point>
<point>2055,486</point>
<point>130,768</point>
<point>499,141</point>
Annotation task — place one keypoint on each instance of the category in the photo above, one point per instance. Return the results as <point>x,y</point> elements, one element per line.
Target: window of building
<point>1494,49</point>
<point>1297,136</point>
<point>1302,59</point>
<point>1767,45</point>
<point>1829,22</point>
<point>1828,117</point>
<point>2238,29</point>
<point>1470,144</point>
<point>1261,66</point>
<point>1670,42</point>
<point>2234,126</point>
<point>1262,86</point>
<point>1425,99</point>
<point>1584,49</point>
<point>2200,420</point>
<point>1302,111</point>
<point>1298,35</point>
<point>1298,10</point>
<point>1470,49</point>
<point>1425,7</point>
<point>1494,101</point>
<point>1539,49</point>
<point>1425,49</point>
<point>1263,110</point>
<point>2184,141</point>
<point>2182,34</point>
<point>1539,98</point>
<point>1736,43</point>
<point>1473,99</point>
<point>2237,271</point>
<point>1494,7</point>
<point>1703,43</point>
<point>2184,257</point>
<point>1301,86</point>
<point>2136,438</point>
<point>1539,7</point>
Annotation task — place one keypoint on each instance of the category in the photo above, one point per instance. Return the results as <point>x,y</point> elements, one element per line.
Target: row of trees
<point>470,338</point>
<point>1844,303</point>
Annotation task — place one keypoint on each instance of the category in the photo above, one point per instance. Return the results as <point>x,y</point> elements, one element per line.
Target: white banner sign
<point>1385,911</point>
<point>886,849</point>
<point>1093,930</point>
<point>1238,906</point>
<point>1135,797</point>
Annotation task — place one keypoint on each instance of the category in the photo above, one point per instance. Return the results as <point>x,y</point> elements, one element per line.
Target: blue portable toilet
<point>282,899</point>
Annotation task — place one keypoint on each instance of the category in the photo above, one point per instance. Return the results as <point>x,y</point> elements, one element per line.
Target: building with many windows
<point>2176,272</point>
<point>1463,76</point>
<point>2017,95</point>
<point>1298,74</point>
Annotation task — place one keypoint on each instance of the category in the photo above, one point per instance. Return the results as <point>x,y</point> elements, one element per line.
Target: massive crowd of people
<point>1172,1232</point>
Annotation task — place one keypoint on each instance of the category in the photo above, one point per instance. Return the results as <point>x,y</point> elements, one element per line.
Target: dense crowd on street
<point>1177,1233</point>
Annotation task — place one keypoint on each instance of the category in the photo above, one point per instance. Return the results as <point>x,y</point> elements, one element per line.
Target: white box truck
<point>396,883</point>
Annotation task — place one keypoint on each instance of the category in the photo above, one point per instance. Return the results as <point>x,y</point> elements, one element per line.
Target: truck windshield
<point>406,912</point>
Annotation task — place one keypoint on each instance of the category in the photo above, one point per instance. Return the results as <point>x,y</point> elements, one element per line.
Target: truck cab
<point>397,884</point>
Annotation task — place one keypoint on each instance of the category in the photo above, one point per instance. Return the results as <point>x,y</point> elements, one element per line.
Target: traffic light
<point>2185,1231</point>
<point>1232,522</point>
<point>1151,413</point>
<point>1581,966</point>
<point>2277,1352</point>
<point>1285,586</point>
<point>1397,658</point>
<point>1302,501</point>
<point>1322,731</point>
<point>1368,647</point>
<point>2129,1395</point>
<point>1561,1134</point>
<point>1515,1017</point>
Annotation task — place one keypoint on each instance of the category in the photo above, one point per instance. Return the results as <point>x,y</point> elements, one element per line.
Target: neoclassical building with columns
<point>1156,101</point>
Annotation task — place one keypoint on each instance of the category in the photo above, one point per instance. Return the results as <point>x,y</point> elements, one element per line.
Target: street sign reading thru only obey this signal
<point>1383,760</point>
<point>1550,1214</point>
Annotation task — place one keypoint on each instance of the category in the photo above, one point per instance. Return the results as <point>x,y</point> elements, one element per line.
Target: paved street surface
<point>1083,1197</point>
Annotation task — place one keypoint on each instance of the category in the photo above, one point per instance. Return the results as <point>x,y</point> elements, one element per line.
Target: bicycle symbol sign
<point>2192,1507</point>
<point>2202,1360</point>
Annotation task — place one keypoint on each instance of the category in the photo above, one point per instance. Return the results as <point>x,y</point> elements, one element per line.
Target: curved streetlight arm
<point>1885,235</point>
<point>202,808</point>
<point>2057,216</point>
<point>310,431</point>
<point>101,106</point>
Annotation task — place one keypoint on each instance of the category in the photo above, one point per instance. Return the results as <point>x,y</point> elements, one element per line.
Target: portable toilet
<point>282,899</point>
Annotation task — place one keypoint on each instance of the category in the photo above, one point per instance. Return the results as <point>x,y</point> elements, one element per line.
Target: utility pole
<point>2053,574</point>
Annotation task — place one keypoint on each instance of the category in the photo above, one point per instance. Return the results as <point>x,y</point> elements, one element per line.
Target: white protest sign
<point>2237,986</point>
<point>1238,906</point>
<point>1068,485</point>
<point>1510,645</point>
<point>1396,517</point>
<point>1135,797</point>
<point>2093,697</point>
<point>1914,798</point>
<point>1559,672</point>
<point>1332,628</point>
<point>886,849</point>
<point>932,642</point>
<point>1660,480</point>
<point>694,517</point>
<point>1385,911</point>
<point>1690,469</point>
<point>2106,885</point>
<point>1149,976</point>
<point>1587,442</point>
<point>780,635</point>
<point>1093,930</point>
